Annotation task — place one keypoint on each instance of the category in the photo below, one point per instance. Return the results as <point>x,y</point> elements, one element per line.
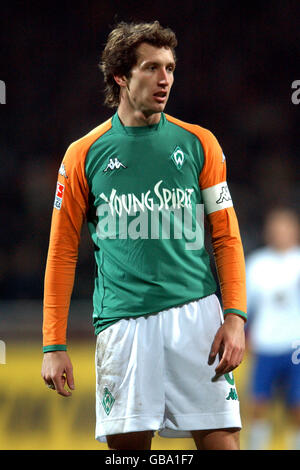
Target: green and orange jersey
<point>141,191</point>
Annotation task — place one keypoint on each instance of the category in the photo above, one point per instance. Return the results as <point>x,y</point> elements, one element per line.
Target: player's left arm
<point>229,341</point>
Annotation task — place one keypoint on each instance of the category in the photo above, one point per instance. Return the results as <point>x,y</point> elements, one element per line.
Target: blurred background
<point>236,65</point>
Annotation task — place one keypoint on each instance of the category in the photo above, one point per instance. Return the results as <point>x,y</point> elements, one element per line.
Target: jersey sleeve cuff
<point>235,311</point>
<point>54,347</point>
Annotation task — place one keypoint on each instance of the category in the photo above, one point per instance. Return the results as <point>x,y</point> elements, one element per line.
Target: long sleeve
<point>229,258</point>
<point>69,210</point>
<point>227,245</point>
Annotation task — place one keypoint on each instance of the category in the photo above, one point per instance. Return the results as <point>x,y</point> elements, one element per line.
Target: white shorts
<point>152,374</point>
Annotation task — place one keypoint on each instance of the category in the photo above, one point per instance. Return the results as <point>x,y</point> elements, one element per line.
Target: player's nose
<point>163,77</point>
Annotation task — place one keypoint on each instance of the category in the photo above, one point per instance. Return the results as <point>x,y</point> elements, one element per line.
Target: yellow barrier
<point>34,417</point>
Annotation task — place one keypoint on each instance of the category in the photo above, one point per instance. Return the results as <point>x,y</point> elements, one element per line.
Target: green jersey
<point>144,192</point>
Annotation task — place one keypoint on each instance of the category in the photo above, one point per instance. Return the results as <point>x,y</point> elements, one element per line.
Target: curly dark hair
<point>119,54</point>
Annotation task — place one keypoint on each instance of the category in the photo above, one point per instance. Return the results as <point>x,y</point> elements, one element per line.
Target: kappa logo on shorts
<point>107,401</point>
<point>232,395</point>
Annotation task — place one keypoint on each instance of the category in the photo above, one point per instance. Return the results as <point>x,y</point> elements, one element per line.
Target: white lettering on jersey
<point>168,198</point>
<point>187,220</point>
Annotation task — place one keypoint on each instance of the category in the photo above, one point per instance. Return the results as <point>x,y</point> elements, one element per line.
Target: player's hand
<point>229,343</point>
<point>57,370</point>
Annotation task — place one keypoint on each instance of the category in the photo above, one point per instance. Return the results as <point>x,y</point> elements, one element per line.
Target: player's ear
<point>121,80</point>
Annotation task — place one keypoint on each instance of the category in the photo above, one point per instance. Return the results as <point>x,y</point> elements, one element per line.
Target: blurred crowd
<point>234,74</point>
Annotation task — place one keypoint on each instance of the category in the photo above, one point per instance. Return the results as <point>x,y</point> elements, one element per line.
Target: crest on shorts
<point>107,401</point>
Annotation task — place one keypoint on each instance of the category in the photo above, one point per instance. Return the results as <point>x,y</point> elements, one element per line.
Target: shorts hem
<point>184,424</point>
<point>199,422</point>
<point>125,425</point>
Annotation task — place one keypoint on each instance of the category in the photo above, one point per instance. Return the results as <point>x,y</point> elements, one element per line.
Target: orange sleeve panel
<point>70,207</point>
<point>227,246</point>
<point>230,262</point>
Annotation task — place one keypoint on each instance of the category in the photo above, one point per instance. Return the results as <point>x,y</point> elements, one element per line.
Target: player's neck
<point>136,118</point>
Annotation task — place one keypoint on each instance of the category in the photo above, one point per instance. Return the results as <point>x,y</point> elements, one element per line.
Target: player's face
<point>151,79</point>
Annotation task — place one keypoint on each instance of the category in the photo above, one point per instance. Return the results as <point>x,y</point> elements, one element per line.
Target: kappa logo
<point>62,171</point>
<point>232,395</point>
<point>107,401</point>
<point>178,157</point>
<point>224,196</point>
<point>114,164</point>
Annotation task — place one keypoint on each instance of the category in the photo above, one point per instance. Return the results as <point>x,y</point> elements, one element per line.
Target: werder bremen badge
<point>178,157</point>
<point>107,401</point>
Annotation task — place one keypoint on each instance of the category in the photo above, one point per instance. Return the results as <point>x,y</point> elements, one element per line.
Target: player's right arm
<point>69,212</point>
<point>70,206</point>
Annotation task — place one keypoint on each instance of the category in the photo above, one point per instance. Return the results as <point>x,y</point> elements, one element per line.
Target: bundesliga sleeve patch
<point>216,198</point>
<point>59,195</point>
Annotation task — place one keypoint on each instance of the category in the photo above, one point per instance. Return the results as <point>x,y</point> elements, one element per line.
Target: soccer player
<point>140,180</point>
<point>273,282</point>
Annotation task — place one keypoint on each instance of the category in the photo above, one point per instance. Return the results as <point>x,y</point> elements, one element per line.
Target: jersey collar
<point>137,130</point>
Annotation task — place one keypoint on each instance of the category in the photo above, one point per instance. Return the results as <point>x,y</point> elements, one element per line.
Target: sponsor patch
<point>60,188</point>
